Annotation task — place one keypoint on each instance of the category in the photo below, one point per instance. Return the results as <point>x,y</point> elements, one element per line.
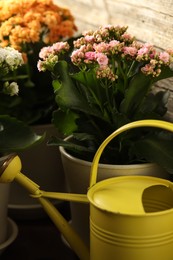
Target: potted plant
<point>27,26</point>
<point>109,83</point>
<point>14,136</point>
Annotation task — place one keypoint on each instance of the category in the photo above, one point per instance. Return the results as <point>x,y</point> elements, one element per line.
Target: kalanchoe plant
<point>27,26</point>
<point>108,83</point>
<point>14,134</point>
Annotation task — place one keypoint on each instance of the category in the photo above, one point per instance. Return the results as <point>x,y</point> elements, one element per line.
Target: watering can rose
<point>107,82</point>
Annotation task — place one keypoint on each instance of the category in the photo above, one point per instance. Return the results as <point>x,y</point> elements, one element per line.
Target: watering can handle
<point>141,123</point>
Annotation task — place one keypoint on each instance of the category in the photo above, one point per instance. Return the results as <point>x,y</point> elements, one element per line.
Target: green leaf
<point>155,103</point>
<point>157,150</point>
<point>16,136</point>
<point>55,141</point>
<point>166,72</point>
<point>137,89</point>
<point>87,78</point>
<point>56,85</point>
<point>67,119</point>
<point>69,95</point>
<point>84,137</point>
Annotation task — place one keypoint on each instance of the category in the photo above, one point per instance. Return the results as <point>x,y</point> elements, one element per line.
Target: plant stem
<point>130,69</point>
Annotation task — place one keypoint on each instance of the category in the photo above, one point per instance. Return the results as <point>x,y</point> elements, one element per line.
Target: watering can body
<point>131,218</point>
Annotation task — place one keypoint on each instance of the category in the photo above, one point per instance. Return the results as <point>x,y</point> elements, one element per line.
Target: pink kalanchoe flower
<point>148,69</point>
<point>147,51</point>
<point>142,51</point>
<point>60,46</point>
<point>127,37</point>
<point>164,57</point>
<point>89,38</point>
<point>132,51</point>
<point>45,52</point>
<point>109,26</point>
<point>40,66</point>
<point>77,56</point>
<point>49,62</point>
<point>115,46</point>
<point>113,43</point>
<point>145,48</point>
<point>101,47</point>
<point>102,59</point>
<point>90,55</point>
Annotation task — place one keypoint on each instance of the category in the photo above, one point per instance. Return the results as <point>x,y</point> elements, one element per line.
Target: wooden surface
<point>39,239</point>
<point>148,20</point>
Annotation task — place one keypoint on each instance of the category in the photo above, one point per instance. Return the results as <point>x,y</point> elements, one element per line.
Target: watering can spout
<point>10,169</point>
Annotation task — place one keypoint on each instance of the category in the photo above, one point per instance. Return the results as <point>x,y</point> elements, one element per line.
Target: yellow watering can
<point>131,218</point>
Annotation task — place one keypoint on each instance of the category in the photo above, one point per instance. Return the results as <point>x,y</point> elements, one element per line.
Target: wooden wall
<point>149,20</point>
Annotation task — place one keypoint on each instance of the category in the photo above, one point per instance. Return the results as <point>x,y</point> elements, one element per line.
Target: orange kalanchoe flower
<point>31,21</point>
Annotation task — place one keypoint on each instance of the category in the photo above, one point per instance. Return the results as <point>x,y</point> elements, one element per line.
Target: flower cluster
<point>10,60</point>
<point>95,48</point>
<point>27,26</point>
<point>99,49</point>
<point>107,83</point>
<point>49,55</point>
<point>32,21</point>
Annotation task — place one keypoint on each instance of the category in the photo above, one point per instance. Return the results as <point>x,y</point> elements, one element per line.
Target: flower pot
<point>77,173</point>
<point>43,165</point>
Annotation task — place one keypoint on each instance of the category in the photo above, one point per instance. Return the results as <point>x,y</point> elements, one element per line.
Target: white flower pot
<point>77,174</point>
